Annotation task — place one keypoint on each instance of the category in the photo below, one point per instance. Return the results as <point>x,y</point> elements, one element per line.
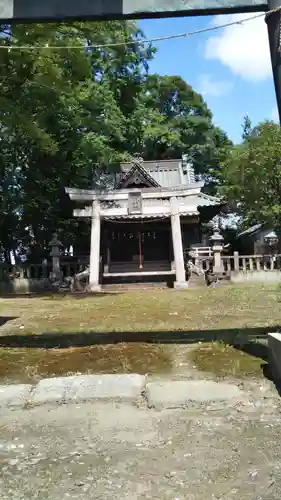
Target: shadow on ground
<point>255,349</point>
<point>5,319</point>
<point>59,296</point>
<point>49,340</point>
<point>260,350</point>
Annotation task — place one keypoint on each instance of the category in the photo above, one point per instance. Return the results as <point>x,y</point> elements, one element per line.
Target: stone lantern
<point>55,245</point>
<point>217,247</point>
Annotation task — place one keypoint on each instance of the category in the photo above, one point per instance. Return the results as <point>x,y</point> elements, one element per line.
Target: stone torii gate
<point>96,212</point>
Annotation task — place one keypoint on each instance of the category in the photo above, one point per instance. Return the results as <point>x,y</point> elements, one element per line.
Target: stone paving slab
<point>14,395</point>
<point>89,387</point>
<point>127,387</point>
<point>182,393</point>
<point>51,390</point>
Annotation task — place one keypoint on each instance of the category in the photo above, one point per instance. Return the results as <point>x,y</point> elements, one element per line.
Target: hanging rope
<point>136,221</point>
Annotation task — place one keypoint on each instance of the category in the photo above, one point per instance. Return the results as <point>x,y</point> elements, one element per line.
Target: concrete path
<point>123,436</point>
<point>94,451</point>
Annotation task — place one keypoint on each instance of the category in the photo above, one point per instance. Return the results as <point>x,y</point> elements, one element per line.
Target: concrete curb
<point>127,388</point>
<point>123,388</point>
<point>183,393</point>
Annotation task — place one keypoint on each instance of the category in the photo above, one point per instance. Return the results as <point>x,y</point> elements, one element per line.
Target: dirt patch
<point>224,360</point>
<point>30,365</point>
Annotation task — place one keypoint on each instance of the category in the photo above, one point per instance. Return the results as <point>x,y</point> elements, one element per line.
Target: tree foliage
<point>251,176</point>
<point>247,128</point>
<point>69,114</point>
<point>171,119</point>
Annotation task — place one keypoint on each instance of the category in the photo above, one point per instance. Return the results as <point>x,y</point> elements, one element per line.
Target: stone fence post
<point>55,245</point>
<point>236,261</point>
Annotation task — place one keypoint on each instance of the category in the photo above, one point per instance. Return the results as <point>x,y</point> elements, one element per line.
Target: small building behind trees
<point>259,239</point>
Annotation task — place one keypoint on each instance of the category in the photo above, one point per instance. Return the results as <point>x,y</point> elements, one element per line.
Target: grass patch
<point>31,365</point>
<point>225,360</point>
<point>233,307</point>
<point>229,309</point>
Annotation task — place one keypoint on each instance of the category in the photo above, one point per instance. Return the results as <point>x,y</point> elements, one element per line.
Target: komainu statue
<point>80,281</point>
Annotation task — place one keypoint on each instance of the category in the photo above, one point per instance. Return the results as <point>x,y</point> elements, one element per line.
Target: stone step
<point>119,267</point>
<point>127,287</point>
<point>186,393</point>
<point>197,282</point>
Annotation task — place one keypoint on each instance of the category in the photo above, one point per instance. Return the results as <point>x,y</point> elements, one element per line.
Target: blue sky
<point>230,66</point>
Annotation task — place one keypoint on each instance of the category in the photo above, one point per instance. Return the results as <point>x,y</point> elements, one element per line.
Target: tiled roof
<point>138,169</point>
<point>167,173</point>
<point>166,178</point>
<point>250,231</point>
<point>153,165</point>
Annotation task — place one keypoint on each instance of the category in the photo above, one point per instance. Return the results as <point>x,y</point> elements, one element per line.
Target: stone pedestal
<point>181,285</point>
<point>94,285</point>
<point>180,282</point>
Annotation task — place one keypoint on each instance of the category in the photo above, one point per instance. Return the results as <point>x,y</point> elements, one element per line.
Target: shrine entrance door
<point>140,243</point>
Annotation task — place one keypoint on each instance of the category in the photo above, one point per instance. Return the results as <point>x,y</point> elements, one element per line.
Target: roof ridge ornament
<point>137,159</point>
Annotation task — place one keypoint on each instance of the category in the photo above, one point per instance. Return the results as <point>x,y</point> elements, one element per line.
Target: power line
<point>139,42</point>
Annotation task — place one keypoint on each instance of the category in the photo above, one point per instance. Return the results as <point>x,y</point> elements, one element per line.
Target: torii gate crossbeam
<point>120,9</point>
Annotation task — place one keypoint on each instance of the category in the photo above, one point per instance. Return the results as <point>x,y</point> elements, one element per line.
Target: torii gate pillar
<point>273,21</point>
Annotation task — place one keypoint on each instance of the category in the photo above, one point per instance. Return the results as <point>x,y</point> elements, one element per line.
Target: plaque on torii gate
<point>134,203</point>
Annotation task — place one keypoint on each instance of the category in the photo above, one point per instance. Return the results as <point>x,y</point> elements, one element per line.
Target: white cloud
<point>243,48</point>
<point>215,88</point>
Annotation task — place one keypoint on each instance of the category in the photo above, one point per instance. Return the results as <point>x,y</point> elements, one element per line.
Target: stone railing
<point>200,252</point>
<point>250,263</point>
<point>35,271</point>
<point>240,263</point>
<point>32,278</point>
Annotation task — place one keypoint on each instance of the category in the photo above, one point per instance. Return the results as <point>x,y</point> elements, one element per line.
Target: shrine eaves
<point>58,10</point>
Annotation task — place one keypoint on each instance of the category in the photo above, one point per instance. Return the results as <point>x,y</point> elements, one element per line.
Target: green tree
<point>63,119</point>
<point>247,128</point>
<point>69,115</point>
<point>251,176</point>
<point>171,119</point>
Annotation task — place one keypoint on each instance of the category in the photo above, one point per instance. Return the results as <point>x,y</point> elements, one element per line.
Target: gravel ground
<point>102,451</point>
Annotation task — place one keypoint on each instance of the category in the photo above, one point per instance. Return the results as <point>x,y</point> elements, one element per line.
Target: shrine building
<point>142,226</point>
